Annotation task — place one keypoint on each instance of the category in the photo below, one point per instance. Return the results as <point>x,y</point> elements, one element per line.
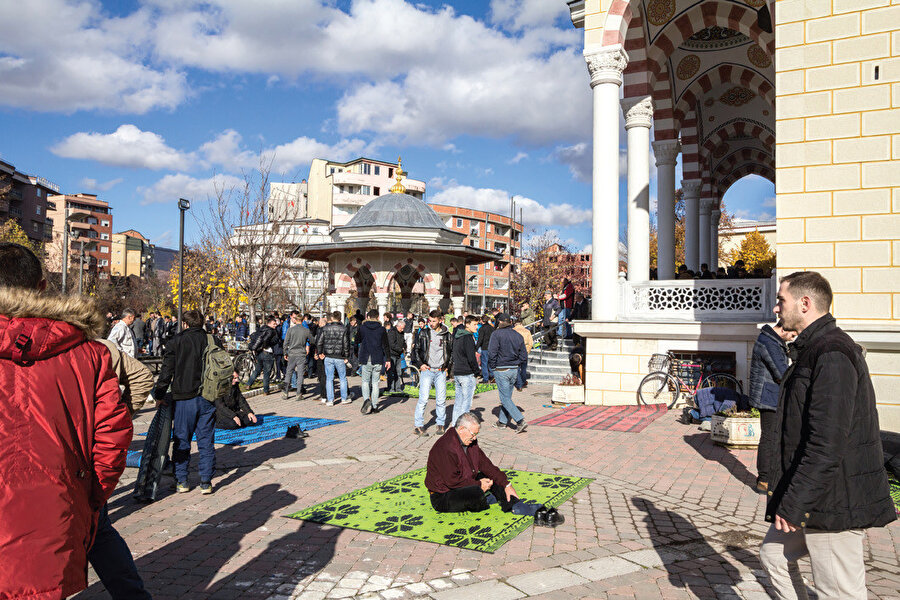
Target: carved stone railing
<point>707,300</point>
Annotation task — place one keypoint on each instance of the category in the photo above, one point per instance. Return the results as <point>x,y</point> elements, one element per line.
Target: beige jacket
<point>135,379</point>
<point>526,335</point>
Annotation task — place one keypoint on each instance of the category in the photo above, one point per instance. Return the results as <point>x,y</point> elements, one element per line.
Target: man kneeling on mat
<point>460,477</point>
<point>232,410</point>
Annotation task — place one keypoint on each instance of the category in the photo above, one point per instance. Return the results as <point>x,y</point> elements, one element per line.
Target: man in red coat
<point>64,432</point>
<point>459,477</point>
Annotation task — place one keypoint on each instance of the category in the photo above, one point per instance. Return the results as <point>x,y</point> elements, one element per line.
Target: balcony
<point>15,211</point>
<point>706,301</point>
<point>15,194</point>
<point>4,205</point>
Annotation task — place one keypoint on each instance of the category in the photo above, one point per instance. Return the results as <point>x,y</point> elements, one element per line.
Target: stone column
<point>434,301</point>
<point>381,298</point>
<point>457,304</point>
<point>691,189</point>
<point>704,232</point>
<point>714,216</point>
<point>362,303</point>
<point>605,66</point>
<point>338,302</point>
<point>638,118</point>
<point>666,155</point>
<point>405,302</point>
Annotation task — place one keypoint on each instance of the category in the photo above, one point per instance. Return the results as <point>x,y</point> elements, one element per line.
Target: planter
<point>735,431</point>
<point>568,394</point>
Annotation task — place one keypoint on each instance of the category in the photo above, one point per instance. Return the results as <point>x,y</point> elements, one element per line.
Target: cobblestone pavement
<point>669,515</point>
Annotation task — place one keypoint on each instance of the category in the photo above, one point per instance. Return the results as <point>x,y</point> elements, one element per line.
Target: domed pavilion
<point>396,243</point>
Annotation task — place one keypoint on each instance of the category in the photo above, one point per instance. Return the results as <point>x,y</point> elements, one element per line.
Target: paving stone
<point>602,568</point>
<point>654,558</point>
<point>548,580</point>
<point>493,590</point>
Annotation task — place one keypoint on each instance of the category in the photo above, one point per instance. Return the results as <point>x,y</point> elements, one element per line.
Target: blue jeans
<point>371,379</point>
<point>505,379</point>
<point>264,363</point>
<point>332,364</point>
<point>426,379</point>
<point>196,415</point>
<point>465,391</point>
<point>562,330</point>
<point>113,563</point>
<point>522,377</point>
<point>486,373</point>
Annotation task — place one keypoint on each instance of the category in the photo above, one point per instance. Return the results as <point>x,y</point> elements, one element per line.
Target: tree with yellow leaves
<point>755,252</point>
<point>12,232</point>
<point>207,284</point>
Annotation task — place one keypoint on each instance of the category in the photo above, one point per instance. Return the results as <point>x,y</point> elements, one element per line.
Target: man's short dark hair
<point>372,314</point>
<point>295,313</point>
<point>19,267</point>
<point>436,314</point>
<point>486,319</point>
<point>471,319</point>
<point>812,284</point>
<point>336,315</point>
<point>307,317</point>
<point>271,318</point>
<point>193,318</point>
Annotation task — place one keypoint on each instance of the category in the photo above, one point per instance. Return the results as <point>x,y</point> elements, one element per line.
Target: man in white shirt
<point>121,334</point>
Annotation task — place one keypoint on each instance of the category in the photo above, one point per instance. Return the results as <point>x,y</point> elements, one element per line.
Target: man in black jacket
<point>182,367</point>
<point>263,343</point>
<point>374,354</point>
<point>333,346</point>
<point>431,355</point>
<point>828,481</point>
<point>232,410</point>
<point>465,365</point>
<point>481,346</point>
<point>397,343</point>
<point>504,356</point>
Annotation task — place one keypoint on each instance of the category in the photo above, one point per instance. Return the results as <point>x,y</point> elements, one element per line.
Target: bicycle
<point>662,386</point>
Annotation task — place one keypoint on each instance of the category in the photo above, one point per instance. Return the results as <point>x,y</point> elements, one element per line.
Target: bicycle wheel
<point>658,388</point>
<point>244,365</point>
<point>722,380</point>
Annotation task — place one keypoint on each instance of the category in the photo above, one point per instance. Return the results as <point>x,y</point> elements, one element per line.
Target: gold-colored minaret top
<point>398,188</point>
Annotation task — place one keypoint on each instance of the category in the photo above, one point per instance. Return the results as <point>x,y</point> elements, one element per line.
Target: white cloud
<point>225,150</point>
<point>451,148</point>
<point>165,239</point>
<point>58,55</point>
<point>92,184</point>
<point>517,158</point>
<point>128,146</point>
<point>494,200</point>
<point>179,185</point>
<point>587,249</point>
<point>521,14</point>
<point>578,158</point>
<point>769,202</point>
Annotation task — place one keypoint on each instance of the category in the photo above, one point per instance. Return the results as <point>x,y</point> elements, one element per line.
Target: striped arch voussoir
<point>738,129</point>
<point>743,171</point>
<point>346,281</point>
<point>422,270</point>
<point>736,74</point>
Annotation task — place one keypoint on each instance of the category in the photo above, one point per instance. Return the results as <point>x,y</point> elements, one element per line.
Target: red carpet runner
<point>607,418</point>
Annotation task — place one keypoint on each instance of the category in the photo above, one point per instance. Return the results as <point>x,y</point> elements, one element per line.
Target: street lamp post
<point>183,206</point>
<point>81,267</point>
<point>65,249</point>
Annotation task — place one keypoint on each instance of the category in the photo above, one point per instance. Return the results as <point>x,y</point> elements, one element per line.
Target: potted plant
<point>569,391</point>
<point>733,428</point>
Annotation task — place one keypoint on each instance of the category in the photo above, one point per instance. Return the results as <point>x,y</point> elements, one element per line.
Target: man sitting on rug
<point>460,477</point>
<point>232,410</point>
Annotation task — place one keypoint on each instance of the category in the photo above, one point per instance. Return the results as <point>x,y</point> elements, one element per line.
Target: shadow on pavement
<point>703,444</point>
<point>219,558</point>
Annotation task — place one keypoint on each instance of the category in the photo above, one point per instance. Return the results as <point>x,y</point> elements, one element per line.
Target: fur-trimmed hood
<point>51,323</point>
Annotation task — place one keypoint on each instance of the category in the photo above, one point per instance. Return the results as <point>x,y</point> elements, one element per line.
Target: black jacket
<point>228,405</point>
<point>581,311</point>
<point>264,337</point>
<point>373,343</point>
<point>551,307</point>
<point>182,365</point>
<point>423,342</point>
<point>397,343</point>
<point>767,368</point>
<point>828,468</point>
<point>507,349</point>
<point>484,337</point>
<point>333,341</point>
<point>464,360</point>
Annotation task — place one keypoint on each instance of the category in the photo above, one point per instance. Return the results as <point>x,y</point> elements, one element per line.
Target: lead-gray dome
<point>396,210</point>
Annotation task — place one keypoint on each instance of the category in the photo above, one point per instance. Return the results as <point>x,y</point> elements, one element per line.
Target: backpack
<point>254,343</point>
<point>217,371</point>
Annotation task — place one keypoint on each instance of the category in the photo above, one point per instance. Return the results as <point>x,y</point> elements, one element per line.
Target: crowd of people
<point>736,271</point>
<point>67,420</point>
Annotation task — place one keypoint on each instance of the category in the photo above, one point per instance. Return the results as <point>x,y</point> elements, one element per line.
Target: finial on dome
<point>399,174</point>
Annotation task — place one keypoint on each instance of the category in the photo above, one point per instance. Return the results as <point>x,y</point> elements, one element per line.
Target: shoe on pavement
<point>182,487</point>
<point>366,407</point>
<point>554,518</point>
<point>420,432</point>
<point>328,403</point>
<point>522,426</point>
<point>205,487</point>
<point>293,432</point>
<point>705,425</point>
<point>499,425</point>
<point>439,430</point>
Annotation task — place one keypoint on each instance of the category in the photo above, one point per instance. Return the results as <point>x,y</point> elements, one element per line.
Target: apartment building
<point>90,221</point>
<point>132,254</point>
<point>24,198</point>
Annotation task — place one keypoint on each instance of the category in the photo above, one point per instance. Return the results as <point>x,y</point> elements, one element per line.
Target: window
<point>365,190</point>
<point>38,192</point>
<point>390,172</point>
<point>499,266</point>
<point>35,227</point>
<point>104,249</point>
<point>331,171</point>
<point>473,231</point>
<point>473,283</point>
<point>377,170</point>
<point>104,223</point>
<point>473,243</point>
<point>500,284</point>
<point>37,209</point>
<point>366,169</point>
<point>377,189</point>
<point>104,263</point>
<point>473,268</point>
<point>487,227</point>
<point>104,236</point>
<point>459,223</point>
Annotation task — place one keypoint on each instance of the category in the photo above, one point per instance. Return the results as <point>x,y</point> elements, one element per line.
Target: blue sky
<point>145,101</point>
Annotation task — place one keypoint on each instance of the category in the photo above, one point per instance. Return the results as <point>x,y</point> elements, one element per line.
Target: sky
<point>145,101</point>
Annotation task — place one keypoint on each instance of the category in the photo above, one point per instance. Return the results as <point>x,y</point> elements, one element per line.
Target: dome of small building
<point>396,210</point>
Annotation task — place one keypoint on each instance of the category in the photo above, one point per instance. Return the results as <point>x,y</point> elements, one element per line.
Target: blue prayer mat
<point>269,427</point>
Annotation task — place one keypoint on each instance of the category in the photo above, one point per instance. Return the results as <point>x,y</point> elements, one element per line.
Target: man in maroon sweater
<point>459,474</point>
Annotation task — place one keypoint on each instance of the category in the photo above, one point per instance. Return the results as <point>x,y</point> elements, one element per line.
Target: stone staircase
<point>549,366</point>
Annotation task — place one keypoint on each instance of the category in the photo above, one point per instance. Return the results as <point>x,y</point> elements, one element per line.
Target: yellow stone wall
<point>838,131</point>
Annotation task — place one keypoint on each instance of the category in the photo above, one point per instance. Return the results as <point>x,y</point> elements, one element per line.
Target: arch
<point>351,278</point>
<point>743,171</point>
<point>453,280</point>
<point>422,270</point>
<point>736,129</point>
<point>723,73</point>
<point>741,156</point>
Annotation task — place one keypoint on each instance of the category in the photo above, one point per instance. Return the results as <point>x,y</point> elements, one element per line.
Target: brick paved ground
<point>669,515</point>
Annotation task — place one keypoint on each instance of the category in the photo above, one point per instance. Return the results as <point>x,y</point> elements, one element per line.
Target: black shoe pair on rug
<point>368,409</point>
<point>548,517</point>
<point>294,432</point>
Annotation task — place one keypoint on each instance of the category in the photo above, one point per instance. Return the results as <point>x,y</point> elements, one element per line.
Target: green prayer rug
<point>895,493</point>
<point>400,507</point>
<point>411,390</point>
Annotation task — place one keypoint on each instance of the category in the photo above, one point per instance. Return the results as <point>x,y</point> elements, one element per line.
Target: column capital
<point>666,152</point>
<point>715,214</point>
<point>707,204</point>
<point>638,112</point>
<point>691,187</point>
<point>606,64</point>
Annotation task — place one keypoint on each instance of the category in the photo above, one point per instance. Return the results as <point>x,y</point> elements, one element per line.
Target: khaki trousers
<point>836,558</point>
